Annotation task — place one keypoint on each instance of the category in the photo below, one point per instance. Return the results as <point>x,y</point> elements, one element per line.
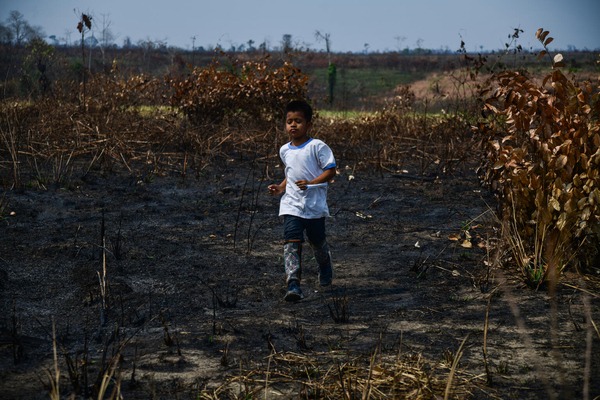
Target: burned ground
<point>195,286</point>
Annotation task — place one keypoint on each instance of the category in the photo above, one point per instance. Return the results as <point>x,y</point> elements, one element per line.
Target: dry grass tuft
<point>334,376</point>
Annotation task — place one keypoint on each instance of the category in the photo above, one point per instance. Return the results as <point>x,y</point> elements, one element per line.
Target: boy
<point>309,165</point>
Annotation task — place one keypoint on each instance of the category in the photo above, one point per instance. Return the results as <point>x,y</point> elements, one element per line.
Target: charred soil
<point>180,281</point>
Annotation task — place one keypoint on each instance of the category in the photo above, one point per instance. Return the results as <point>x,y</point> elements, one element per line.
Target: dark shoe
<point>294,292</point>
<point>325,275</point>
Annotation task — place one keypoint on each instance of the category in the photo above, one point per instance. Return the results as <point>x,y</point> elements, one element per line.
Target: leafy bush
<point>115,92</point>
<point>255,90</point>
<point>543,162</point>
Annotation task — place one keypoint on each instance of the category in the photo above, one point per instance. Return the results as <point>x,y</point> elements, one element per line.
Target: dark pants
<point>294,227</point>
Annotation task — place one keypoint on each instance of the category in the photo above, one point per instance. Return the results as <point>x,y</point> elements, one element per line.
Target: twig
<point>586,291</point>
<point>588,347</point>
<point>457,357</point>
<point>102,275</point>
<point>55,382</point>
<point>485,336</point>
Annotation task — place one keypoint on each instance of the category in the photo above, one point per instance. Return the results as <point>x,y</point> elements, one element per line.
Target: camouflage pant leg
<point>292,258</point>
<point>323,257</point>
<point>322,254</point>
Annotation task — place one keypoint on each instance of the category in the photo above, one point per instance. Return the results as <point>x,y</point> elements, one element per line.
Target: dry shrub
<point>114,92</point>
<point>56,135</point>
<point>543,160</point>
<point>124,124</point>
<point>397,137</point>
<point>253,90</point>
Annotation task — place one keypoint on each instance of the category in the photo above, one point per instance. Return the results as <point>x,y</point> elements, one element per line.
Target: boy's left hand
<point>302,184</point>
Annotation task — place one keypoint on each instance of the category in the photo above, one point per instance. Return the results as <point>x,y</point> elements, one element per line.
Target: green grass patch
<point>367,81</point>
<point>149,110</point>
<point>343,114</point>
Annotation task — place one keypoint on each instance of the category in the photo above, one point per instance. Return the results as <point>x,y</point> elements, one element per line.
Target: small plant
<point>169,339</point>
<point>102,275</point>
<point>62,166</point>
<point>3,206</point>
<point>535,274</point>
<point>226,296</point>
<point>15,334</point>
<point>447,358</point>
<point>299,335</point>
<point>339,309</point>
<point>225,359</point>
<point>502,368</point>
<point>11,141</point>
<point>118,248</point>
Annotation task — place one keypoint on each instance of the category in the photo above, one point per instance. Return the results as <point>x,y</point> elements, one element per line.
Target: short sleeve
<point>325,156</point>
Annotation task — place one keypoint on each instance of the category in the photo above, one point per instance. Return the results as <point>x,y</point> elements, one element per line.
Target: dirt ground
<point>195,286</point>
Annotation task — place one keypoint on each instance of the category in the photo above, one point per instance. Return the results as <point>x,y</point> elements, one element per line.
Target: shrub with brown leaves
<point>254,90</point>
<point>543,162</point>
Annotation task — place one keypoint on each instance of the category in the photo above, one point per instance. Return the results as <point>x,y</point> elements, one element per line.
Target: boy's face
<point>297,126</point>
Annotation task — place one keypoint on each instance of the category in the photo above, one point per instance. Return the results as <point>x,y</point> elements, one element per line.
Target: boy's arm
<point>277,189</point>
<point>325,176</point>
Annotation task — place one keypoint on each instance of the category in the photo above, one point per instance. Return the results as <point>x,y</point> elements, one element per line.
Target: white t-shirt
<point>306,161</point>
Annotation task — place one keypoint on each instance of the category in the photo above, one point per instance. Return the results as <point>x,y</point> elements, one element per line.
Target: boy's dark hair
<point>300,106</point>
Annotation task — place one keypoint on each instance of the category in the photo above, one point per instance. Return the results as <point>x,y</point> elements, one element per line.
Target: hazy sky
<point>382,24</point>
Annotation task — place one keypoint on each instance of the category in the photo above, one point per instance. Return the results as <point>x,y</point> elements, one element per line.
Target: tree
<point>84,25</point>
<point>286,43</point>
<point>106,36</point>
<point>331,79</point>
<point>147,45</point>
<point>17,24</point>
<point>91,41</point>
<point>419,44</point>
<point>6,36</point>
<point>54,39</point>
<point>263,47</point>
<point>326,37</point>
<point>20,30</point>
<point>331,69</point>
<point>68,34</point>
<point>35,66</point>
<point>399,41</point>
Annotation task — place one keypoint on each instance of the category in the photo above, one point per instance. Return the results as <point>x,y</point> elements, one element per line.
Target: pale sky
<point>385,25</point>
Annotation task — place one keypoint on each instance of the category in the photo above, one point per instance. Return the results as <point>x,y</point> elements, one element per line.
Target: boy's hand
<point>302,184</point>
<point>275,189</point>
